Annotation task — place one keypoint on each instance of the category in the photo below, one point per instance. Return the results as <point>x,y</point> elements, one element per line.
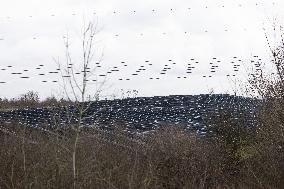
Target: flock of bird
<point>155,11</point>
<point>257,3</point>
<point>120,72</point>
<point>99,70</point>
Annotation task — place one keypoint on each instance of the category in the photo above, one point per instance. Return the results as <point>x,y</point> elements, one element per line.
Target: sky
<point>138,33</point>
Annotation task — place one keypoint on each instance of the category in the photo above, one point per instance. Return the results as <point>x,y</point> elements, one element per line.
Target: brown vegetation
<point>166,158</point>
<point>30,100</point>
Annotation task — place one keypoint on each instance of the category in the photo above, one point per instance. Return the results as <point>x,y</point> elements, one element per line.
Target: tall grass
<point>166,158</point>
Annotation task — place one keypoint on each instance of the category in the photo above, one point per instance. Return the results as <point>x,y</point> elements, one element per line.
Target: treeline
<point>31,99</point>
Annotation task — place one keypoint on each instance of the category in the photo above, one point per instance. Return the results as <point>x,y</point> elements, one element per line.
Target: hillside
<point>193,112</point>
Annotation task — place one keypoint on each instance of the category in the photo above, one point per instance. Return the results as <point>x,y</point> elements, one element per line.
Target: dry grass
<point>167,158</point>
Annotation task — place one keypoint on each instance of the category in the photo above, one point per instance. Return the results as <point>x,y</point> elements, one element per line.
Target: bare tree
<point>75,82</point>
<point>267,83</point>
<point>267,80</point>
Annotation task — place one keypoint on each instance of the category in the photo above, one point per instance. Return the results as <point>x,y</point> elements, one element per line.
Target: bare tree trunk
<point>76,89</point>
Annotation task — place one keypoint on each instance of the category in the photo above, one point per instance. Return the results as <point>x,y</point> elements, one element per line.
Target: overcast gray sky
<point>134,31</point>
